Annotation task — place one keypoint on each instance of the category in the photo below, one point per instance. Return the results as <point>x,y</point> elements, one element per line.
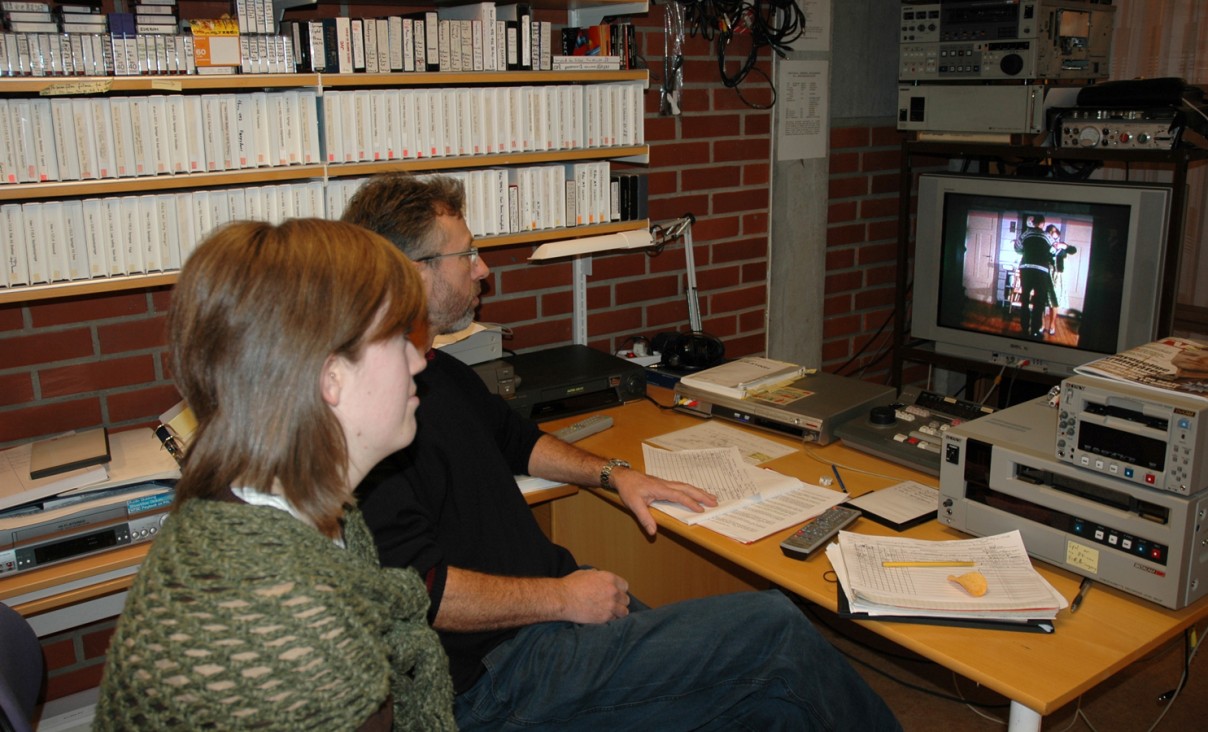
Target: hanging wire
<point>773,24</point>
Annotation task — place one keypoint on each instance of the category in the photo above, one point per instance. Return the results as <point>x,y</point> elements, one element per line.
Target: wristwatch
<point>606,472</point>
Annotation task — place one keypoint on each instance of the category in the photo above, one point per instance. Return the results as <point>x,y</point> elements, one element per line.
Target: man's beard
<point>445,319</point>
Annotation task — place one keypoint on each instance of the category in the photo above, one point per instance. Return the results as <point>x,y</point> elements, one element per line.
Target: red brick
<point>754,148</point>
<point>748,297</point>
<point>664,154</point>
<point>47,419</point>
<point>839,259</point>
<point>82,309</point>
<point>755,223</point>
<point>139,404</point>
<point>848,323</point>
<point>554,303</point>
<point>671,259</point>
<point>726,176</point>
<point>844,137</point>
<point>743,249</point>
<point>599,297</point>
<point>887,136</point>
<point>627,320</point>
<point>887,160</point>
<point>714,227</point>
<point>665,314</point>
<point>878,254</point>
<point>850,234</point>
<point>508,310</point>
<point>714,125</point>
<point>537,276</point>
<point>16,389</point>
<point>836,305</point>
<point>753,320</point>
<point>45,347</point>
<point>647,288</point>
<point>755,96</point>
<point>611,265</point>
<point>843,281</point>
<point>750,345</point>
<point>671,208</point>
<point>723,326</point>
<point>880,275</point>
<point>59,653</point>
<point>136,335</point>
<point>756,174</point>
<point>97,642</point>
<point>10,317</point>
<point>755,272</point>
<point>693,100</point>
<point>841,163</point>
<point>875,297</point>
<point>840,212</point>
<point>875,208</point>
<point>755,199</point>
<point>833,351</point>
<point>545,333</point>
<point>716,278</point>
<point>883,230</point>
<point>71,682</point>
<point>161,299</point>
<point>757,123</point>
<point>847,187</point>
<point>888,183</point>
<point>96,375</point>
<point>663,181</point>
<point>661,128</point>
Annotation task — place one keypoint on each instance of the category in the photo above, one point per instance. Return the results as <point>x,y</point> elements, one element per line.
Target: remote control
<point>818,531</point>
<point>584,428</point>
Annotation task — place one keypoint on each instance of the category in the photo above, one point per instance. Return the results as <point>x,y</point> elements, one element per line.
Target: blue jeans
<point>748,661</point>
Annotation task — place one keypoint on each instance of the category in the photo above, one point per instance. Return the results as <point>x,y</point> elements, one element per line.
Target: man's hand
<point>594,596</point>
<point>638,490</point>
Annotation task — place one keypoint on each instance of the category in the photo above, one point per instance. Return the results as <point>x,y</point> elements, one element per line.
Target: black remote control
<point>818,531</point>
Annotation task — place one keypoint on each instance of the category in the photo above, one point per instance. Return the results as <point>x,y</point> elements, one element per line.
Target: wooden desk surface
<point>1043,672</point>
<point>124,561</point>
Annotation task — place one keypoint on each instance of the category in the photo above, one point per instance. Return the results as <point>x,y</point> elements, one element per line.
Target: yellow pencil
<point>928,564</point>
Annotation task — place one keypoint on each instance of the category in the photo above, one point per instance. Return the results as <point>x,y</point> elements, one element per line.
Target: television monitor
<point>1039,274</point>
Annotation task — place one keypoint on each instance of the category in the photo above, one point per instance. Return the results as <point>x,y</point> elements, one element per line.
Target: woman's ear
<point>332,380</point>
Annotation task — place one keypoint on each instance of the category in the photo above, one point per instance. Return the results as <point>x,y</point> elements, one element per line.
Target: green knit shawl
<point>244,617</point>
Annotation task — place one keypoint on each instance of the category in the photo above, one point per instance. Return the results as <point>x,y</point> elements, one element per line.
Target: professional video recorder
<point>992,40</point>
<point>1151,437</point>
<point>998,474</point>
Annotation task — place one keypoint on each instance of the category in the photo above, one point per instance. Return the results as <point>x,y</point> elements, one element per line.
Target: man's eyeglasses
<point>472,253</point>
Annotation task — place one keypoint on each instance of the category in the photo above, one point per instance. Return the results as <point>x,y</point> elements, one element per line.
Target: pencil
<point>928,564</point>
<point>835,470</point>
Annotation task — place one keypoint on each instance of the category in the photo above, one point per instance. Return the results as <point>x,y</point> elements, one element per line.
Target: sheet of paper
<point>16,487</point>
<point>720,471</point>
<point>756,520</point>
<point>754,449</point>
<point>899,503</point>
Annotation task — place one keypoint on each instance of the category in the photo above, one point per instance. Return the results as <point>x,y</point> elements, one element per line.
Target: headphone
<point>689,351</point>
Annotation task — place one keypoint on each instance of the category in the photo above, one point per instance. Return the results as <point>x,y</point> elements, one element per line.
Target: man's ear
<point>332,380</point>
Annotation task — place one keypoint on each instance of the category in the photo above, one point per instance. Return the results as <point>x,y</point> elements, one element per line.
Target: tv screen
<point>1044,274</point>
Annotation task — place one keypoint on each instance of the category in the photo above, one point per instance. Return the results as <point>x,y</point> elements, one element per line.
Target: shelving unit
<point>1170,314</point>
<point>17,193</point>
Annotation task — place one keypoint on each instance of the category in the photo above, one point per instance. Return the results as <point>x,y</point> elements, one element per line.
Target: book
<point>743,375</point>
<point>1170,364</point>
<point>65,453</point>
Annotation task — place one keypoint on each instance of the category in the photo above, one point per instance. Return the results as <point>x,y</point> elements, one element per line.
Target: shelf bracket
<point>581,270</point>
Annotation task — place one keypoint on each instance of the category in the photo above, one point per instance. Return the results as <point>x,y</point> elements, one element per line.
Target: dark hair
<point>258,311</point>
<point>403,208</point>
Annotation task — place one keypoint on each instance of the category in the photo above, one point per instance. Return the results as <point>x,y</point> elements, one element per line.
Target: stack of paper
<point>892,578</point>
<point>741,376</point>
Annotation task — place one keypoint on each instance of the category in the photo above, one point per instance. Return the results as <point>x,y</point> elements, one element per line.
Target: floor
<point>928,697</point>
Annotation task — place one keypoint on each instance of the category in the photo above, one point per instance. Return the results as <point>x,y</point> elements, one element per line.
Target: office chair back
<point>21,669</point>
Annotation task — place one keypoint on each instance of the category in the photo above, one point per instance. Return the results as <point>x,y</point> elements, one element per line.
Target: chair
<point>21,669</point>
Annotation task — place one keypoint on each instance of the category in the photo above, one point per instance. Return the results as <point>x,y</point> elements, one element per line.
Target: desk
<point>92,588</point>
<point>1038,673</point>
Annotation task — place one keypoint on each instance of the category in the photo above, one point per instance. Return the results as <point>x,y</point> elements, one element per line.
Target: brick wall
<point>75,659</point>
<point>861,251</point>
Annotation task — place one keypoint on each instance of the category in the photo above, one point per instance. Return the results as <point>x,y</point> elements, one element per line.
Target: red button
<point>1149,478</point>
